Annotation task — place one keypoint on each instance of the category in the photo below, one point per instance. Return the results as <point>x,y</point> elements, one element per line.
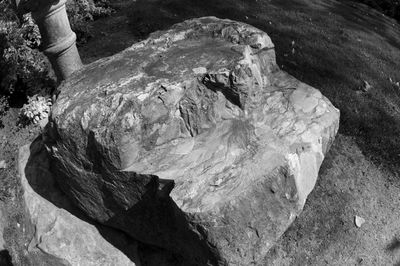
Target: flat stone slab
<point>58,233</point>
<point>192,140</point>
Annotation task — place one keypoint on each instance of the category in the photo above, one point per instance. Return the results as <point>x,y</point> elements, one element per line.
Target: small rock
<point>3,164</point>
<point>365,86</point>
<point>359,221</point>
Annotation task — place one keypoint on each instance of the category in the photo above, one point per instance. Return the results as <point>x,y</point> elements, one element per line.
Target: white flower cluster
<point>37,108</point>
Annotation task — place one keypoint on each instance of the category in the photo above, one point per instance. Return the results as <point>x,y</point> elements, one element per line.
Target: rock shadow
<point>5,258</point>
<point>393,245</point>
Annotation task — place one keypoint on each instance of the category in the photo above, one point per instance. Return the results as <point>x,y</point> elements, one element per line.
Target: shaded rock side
<point>192,140</point>
<point>59,234</point>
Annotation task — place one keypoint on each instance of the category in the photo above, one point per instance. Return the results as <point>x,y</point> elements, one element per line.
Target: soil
<point>332,45</point>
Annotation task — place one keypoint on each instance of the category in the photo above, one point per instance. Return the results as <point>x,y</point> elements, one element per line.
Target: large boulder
<point>193,141</point>
<point>64,238</point>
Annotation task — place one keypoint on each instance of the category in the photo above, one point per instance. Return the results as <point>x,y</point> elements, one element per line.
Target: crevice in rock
<point>155,256</point>
<point>227,89</point>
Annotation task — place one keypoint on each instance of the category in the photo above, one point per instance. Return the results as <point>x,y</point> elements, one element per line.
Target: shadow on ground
<point>394,246</point>
<point>5,258</point>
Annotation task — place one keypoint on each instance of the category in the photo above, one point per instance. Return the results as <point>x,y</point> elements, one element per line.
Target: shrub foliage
<point>80,12</point>
<point>24,70</point>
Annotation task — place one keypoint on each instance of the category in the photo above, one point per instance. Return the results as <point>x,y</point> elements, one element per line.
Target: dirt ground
<point>334,46</point>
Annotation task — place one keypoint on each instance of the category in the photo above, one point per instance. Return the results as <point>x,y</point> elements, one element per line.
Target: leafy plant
<point>80,12</point>
<point>37,108</point>
<point>23,69</point>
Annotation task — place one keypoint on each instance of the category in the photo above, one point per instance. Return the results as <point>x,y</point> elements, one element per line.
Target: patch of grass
<point>19,230</point>
<point>389,7</point>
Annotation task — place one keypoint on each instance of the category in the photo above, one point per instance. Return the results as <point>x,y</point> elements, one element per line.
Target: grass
<point>18,231</point>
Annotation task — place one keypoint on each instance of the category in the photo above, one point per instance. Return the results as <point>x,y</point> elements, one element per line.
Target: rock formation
<point>193,141</point>
<point>61,236</point>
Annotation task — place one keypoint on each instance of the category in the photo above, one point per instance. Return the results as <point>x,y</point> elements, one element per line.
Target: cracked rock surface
<point>193,141</point>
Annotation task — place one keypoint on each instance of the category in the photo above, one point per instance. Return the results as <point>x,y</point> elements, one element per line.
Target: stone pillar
<point>58,40</point>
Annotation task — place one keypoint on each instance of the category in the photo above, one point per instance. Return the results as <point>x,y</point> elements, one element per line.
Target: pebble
<point>359,221</point>
<point>3,164</point>
<point>365,86</point>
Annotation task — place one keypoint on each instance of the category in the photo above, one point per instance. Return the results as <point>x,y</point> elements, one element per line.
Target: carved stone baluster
<point>58,40</point>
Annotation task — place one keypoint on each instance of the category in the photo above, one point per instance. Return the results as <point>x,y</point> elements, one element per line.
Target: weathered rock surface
<point>201,113</point>
<point>59,234</point>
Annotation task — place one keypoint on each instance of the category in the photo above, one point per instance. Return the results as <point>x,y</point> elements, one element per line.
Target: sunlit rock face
<point>192,140</point>
<point>59,234</point>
